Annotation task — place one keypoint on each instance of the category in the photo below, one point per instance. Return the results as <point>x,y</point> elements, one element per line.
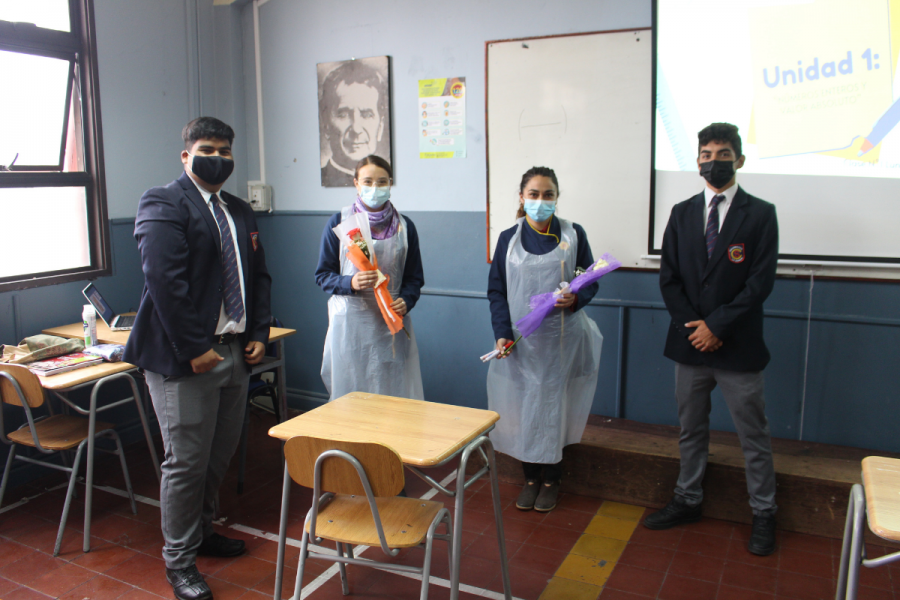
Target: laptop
<point>113,321</point>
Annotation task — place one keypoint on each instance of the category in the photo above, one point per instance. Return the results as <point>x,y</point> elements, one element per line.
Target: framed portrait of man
<point>354,116</point>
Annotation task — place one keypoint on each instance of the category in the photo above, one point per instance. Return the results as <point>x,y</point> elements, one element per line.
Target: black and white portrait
<point>354,116</point>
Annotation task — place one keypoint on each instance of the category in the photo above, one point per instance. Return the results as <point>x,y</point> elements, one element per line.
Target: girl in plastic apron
<point>544,387</point>
<point>360,354</point>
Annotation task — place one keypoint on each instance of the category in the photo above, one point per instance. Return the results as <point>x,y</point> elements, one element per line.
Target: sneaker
<point>676,512</point>
<point>546,500</point>
<point>762,538</point>
<point>188,584</point>
<point>528,495</point>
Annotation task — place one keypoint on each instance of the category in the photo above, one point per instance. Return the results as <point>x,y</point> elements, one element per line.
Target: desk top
<point>106,336</point>
<point>423,433</point>
<point>881,478</point>
<point>70,379</point>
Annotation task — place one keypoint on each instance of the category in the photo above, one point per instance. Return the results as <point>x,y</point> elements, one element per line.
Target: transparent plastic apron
<point>544,390</point>
<point>361,355</point>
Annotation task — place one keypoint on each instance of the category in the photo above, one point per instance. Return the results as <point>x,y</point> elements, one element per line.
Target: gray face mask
<point>717,172</point>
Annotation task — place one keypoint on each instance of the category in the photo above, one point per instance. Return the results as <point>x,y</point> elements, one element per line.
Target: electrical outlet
<point>260,196</point>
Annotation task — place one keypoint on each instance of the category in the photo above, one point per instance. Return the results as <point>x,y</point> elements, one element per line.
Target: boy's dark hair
<point>206,128</point>
<point>373,160</point>
<point>720,132</point>
<point>531,174</point>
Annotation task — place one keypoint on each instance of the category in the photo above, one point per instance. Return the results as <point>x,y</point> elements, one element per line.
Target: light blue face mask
<point>374,197</point>
<point>540,210</point>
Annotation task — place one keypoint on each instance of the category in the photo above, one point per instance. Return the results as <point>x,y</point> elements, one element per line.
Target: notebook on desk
<point>114,321</point>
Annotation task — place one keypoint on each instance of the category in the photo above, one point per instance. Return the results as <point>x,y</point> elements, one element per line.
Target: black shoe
<point>762,539</point>
<point>676,512</point>
<point>546,500</point>
<point>188,584</point>
<point>221,546</point>
<point>528,495</point>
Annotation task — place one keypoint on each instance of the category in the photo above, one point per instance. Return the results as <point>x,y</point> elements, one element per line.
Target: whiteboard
<point>582,105</point>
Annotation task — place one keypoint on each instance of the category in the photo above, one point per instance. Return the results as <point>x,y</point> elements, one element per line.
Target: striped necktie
<point>712,224</point>
<point>234,302</point>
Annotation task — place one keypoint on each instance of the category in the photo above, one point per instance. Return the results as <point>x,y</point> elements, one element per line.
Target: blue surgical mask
<point>540,210</point>
<point>374,197</point>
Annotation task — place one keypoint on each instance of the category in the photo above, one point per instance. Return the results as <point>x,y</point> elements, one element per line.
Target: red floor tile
<point>667,538</point>
<point>703,544</point>
<point>98,587</point>
<point>803,587</point>
<point>58,581</point>
<point>611,594</point>
<point>727,592</point>
<point>636,580</point>
<point>653,558</point>
<point>682,588</point>
<point>805,563</point>
<point>696,566</point>
<point>30,567</point>
<point>540,560</point>
<point>554,538</point>
<point>246,571</point>
<point>567,518</point>
<point>711,527</point>
<point>806,543</point>
<point>751,577</point>
<point>525,584</point>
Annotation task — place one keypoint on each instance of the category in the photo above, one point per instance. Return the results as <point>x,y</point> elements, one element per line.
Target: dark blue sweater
<point>328,271</point>
<point>533,243</point>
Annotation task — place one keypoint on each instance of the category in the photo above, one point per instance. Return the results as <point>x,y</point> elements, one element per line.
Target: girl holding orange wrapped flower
<point>369,262</point>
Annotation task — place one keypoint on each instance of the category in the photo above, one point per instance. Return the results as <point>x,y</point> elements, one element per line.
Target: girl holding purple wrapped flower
<point>543,387</point>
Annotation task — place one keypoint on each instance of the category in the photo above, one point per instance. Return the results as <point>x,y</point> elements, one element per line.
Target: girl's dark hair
<point>373,160</point>
<point>531,174</point>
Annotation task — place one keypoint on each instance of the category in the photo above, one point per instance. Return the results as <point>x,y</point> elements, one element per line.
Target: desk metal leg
<point>139,402</point>
<point>89,469</point>
<point>498,515</point>
<point>282,532</point>
<point>458,516</point>
<point>282,385</point>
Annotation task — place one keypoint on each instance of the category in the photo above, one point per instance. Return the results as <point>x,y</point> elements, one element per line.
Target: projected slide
<point>813,87</point>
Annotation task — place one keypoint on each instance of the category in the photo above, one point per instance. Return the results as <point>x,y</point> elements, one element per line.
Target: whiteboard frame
<point>648,265</point>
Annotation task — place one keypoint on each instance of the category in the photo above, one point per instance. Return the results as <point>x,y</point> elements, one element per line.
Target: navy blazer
<point>727,290</point>
<point>181,258</point>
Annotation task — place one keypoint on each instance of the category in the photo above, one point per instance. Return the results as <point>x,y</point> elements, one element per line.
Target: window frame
<point>79,47</point>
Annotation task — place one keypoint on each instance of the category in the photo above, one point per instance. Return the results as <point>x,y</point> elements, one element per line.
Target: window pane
<point>43,229</point>
<point>49,14</point>
<point>32,108</point>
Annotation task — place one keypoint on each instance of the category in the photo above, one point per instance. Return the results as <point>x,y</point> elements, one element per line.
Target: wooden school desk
<point>424,434</point>
<point>268,363</point>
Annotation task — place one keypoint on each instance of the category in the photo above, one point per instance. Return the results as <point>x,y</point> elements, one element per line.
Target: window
<point>53,218</point>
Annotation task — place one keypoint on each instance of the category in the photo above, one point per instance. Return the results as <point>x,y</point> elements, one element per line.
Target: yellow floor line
<point>591,560</point>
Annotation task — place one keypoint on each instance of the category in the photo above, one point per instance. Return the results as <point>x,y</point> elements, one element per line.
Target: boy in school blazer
<point>719,255</point>
<point>203,318</point>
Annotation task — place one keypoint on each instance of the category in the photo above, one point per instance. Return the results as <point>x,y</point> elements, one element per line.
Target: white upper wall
<point>424,41</point>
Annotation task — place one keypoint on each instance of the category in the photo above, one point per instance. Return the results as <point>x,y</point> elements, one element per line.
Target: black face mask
<point>212,169</point>
<point>717,172</point>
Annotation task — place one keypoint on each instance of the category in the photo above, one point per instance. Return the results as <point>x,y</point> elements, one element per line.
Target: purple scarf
<point>383,223</point>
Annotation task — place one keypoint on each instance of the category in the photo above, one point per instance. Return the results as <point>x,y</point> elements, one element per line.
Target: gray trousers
<point>745,396</point>
<point>200,417</point>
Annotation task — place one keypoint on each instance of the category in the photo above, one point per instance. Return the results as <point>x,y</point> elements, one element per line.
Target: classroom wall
<point>163,62</point>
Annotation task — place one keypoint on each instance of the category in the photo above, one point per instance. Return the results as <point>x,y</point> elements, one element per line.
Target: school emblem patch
<point>254,237</point>
<point>736,253</point>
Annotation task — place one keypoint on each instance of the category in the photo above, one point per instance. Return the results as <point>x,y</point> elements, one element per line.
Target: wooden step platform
<point>636,463</point>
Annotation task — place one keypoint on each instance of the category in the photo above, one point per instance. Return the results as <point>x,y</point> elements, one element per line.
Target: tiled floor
<point>584,549</point>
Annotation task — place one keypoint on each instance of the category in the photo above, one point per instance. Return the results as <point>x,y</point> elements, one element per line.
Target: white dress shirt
<point>227,324</point>
<point>723,207</point>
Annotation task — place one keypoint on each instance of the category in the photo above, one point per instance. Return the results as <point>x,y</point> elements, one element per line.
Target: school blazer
<point>181,258</point>
<point>727,290</point>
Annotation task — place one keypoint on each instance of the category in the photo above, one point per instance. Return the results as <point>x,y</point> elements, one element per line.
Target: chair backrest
<point>28,382</point>
<point>381,463</point>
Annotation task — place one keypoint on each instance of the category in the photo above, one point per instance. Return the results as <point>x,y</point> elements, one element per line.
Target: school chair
<point>360,506</point>
<point>50,434</point>
<point>881,485</point>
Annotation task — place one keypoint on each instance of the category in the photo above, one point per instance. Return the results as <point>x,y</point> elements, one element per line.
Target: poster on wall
<point>354,116</point>
<point>442,118</point>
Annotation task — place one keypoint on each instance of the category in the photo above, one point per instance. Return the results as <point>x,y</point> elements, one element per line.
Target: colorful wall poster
<point>442,118</point>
